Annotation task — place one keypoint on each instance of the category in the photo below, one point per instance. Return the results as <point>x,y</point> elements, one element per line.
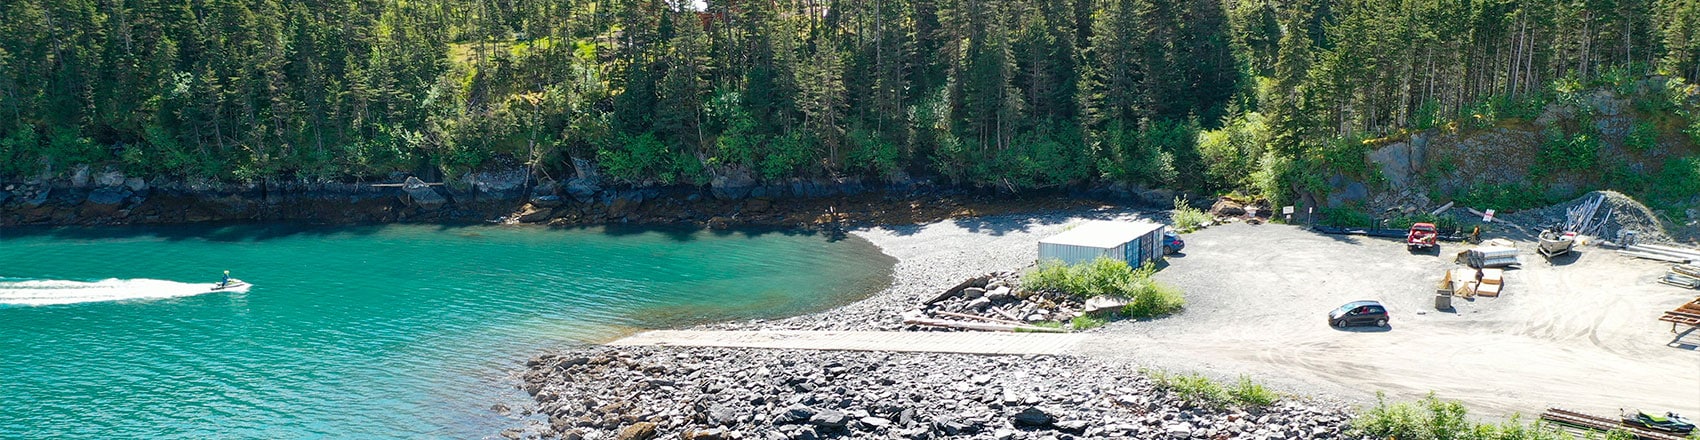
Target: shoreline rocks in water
<point>640,393</point>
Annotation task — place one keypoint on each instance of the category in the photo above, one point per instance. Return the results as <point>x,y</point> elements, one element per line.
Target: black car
<point>1364,312</point>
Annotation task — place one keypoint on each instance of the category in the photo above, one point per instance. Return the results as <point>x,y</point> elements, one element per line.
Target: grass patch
<point>1187,218</point>
<point>1201,390</point>
<point>1106,277</point>
<point>1040,324</point>
<point>1435,419</point>
<point>1086,322</point>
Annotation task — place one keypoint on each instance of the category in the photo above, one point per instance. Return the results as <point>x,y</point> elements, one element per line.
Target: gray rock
<point>40,198</point>
<point>425,197</point>
<point>874,423</point>
<point>109,178</point>
<point>136,184</point>
<point>1033,417</point>
<point>973,292</point>
<point>1072,426</point>
<point>979,304</point>
<point>1178,430</point>
<point>80,177</point>
<point>806,433</point>
<point>722,415</point>
<point>829,419</point>
<point>953,426</point>
<point>732,184</point>
<point>109,196</point>
<point>1003,434</point>
<point>796,413</point>
<point>582,190</point>
<point>549,201</point>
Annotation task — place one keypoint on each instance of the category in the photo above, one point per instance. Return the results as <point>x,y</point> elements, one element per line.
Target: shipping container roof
<point>1102,234</point>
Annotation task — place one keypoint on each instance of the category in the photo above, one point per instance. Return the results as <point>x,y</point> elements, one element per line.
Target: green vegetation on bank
<point>1435,419</point>
<point>1274,97</point>
<point>1202,390</point>
<point>1107,277</point>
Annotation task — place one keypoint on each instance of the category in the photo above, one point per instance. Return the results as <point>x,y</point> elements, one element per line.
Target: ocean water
<point>397,331</point>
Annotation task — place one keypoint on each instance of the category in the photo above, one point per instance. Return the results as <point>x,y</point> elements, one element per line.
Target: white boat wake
<point>16,292</point>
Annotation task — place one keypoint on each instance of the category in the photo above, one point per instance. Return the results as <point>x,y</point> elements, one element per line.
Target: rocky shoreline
<point>641,393</point>
<point>511,196</point>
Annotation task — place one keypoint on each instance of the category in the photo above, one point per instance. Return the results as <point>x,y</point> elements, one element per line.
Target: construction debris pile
<point>992,302</point>
<point>1604,214</point>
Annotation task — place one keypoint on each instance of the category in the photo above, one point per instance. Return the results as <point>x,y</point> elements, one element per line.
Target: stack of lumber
<point>1469,283</point>
<point>1489,281</point>
<point>1666,254</point>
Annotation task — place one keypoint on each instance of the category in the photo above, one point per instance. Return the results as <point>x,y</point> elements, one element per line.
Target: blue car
<point>1172,242</point>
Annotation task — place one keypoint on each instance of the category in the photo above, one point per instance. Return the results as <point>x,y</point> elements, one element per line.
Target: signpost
<point>1487,217</point>
<point>1288,212</point>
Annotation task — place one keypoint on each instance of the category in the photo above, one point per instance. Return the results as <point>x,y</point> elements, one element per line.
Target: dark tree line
<point>1019,93</point>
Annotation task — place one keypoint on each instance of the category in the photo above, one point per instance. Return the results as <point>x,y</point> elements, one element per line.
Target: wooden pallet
<point>1585,421</point>
<point>1686,314</point>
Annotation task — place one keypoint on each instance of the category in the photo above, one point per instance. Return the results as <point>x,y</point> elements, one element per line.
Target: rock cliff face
<point>1410,169</point>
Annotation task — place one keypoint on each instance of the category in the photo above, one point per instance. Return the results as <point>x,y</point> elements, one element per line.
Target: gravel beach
<point>720,393</point>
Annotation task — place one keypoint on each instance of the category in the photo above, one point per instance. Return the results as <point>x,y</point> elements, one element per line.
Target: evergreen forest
<point>1207,95</point>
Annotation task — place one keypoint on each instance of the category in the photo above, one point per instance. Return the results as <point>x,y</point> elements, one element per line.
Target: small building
<point>1134,242</point>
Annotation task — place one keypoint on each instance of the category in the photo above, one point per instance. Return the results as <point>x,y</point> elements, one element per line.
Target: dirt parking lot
<point>1581,334</point>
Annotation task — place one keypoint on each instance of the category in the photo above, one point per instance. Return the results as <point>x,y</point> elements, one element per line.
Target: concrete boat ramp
<point>930,342</point>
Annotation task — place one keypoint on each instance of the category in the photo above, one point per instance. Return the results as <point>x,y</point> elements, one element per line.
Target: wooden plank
<point>934,342</point>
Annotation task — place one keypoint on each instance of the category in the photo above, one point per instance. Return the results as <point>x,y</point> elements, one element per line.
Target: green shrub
<point>1154,299</point>
<point>1192,387</point>
<point>1251,393</point>
<point>1199,389</point>
<point>1187,218</point>
<point>1106,277</point>
<point>1643,137</point>
<point>1347,217</point>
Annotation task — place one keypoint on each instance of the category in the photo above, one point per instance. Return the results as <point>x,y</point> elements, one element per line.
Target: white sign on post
<point>1487,217</point>
<point>1288,210</point>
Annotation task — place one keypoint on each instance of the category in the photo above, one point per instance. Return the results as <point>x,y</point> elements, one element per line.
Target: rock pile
<point>997,298</point>
<point>642,393</point>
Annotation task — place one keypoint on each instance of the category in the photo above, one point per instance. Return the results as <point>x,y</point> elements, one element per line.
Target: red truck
<point>1422,236</point>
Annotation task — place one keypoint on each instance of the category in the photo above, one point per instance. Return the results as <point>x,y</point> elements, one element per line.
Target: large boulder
<point>80,176</point>
<point>500,181</point>
<point>425,197</point>
<point>582,190</point>
<point>731,184</point>
<point>109,178</point>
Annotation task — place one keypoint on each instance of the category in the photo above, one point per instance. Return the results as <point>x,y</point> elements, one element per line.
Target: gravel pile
<point>1626,215</point>
<point>641,393</point>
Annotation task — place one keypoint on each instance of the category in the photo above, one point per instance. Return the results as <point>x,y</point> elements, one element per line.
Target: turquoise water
<point>399,331</point>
